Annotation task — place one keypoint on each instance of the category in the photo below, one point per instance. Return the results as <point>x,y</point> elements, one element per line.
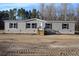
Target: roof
<point>27,20</point>
<point>62,21</point>
<point>19,20</point>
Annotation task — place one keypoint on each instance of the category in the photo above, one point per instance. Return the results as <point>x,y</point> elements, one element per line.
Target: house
<point>31,26</point>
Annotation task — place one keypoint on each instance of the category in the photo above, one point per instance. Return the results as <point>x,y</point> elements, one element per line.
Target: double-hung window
<point>34,25</point>
<point>13,25</point>
<point>48,25</point>
<point>65,26</point>
<point>10,25</point>
<point>27,25</point>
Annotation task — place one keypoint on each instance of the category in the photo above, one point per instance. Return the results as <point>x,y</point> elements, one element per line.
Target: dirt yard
<point>22,44</point>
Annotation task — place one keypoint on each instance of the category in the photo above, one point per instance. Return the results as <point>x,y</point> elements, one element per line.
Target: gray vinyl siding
<point>56,25</point>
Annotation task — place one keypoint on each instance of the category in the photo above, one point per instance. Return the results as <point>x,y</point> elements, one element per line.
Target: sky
<point>27,6</point>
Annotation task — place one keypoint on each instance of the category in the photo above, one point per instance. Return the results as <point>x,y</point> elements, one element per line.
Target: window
<point>34,25</point>
<point>15,25</point>
<point>10,25</point>
<point>65,26</point>
<point>47,25</point>
<point>27,25</point>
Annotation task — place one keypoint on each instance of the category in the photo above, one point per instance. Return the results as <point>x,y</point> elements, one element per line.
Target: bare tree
<point>77,18</point>
<point>71,13</point>
<point>48,11</point>
<point>42,10</point>
<point>77,12</point>
<point>63,11</point>
<point>51,12</point>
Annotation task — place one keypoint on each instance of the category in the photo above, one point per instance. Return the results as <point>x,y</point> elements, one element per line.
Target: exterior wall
<point>21,28</point>
<point>58,27</point>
